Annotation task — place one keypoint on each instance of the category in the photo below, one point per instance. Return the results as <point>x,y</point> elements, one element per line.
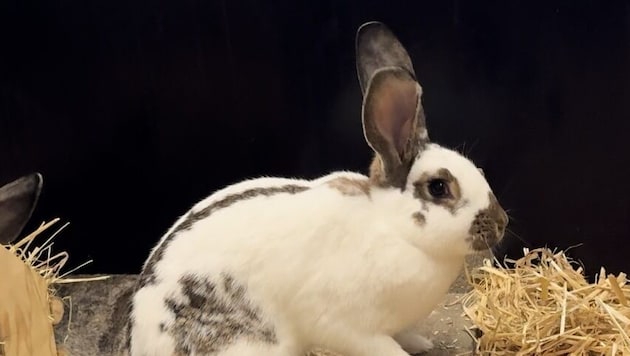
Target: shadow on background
<point>134,110</point>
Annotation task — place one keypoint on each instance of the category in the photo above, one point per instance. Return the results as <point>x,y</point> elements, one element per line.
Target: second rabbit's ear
<point>17,202</point>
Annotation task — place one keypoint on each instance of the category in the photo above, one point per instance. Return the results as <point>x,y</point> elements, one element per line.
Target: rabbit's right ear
<point>17,202</point>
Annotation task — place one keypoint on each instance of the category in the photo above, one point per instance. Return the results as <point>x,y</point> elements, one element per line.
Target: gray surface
<point>93,309</point>
<point>97,317</point>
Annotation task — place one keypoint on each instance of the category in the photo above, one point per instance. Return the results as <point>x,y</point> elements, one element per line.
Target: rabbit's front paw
<point>412,342</point>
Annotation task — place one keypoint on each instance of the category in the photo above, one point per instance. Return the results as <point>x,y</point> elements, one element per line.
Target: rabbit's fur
<point>346,262</point>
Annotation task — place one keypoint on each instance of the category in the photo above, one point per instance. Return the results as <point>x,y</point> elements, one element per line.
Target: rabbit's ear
<point>17,202</point>
<point>393,124</point>
<point>393,117</point>
<point>376,48</point>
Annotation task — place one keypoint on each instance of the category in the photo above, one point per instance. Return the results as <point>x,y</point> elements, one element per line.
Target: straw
<point>542,304</point>
<point>43,261</point>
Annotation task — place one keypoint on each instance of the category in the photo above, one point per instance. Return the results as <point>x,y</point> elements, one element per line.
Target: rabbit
<point>17,203</point>
<point>347,262</point>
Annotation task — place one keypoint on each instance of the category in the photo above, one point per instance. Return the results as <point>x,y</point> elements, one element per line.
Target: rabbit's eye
<point>438,188</point>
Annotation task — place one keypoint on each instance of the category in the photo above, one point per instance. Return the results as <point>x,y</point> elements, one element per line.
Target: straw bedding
<point>542,304</point>
<point>539,304</point>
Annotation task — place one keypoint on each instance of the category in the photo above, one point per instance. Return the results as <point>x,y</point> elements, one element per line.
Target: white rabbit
<point>346,262</point>
<point>17,202</point>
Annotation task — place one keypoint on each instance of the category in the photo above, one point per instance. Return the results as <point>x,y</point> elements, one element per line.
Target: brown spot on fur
<point>350,186</point>
<point>148,273</point>
<point>489,225</point>
<point>213,316</point>
<point>453,202</point>
<point>419,218</point>
<point>377,175</point>
<point>395,179</point>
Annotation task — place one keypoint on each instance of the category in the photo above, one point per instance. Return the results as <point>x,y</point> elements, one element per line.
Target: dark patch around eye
<point>440,188</point>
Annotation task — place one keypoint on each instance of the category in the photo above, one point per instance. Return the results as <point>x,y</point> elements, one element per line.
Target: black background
<point>134,110</point>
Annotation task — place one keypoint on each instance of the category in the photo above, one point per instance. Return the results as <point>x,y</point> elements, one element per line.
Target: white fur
<point>347,273</point>
<point>443,232</point>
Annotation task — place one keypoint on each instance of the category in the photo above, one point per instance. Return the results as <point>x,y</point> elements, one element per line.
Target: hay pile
<point>28,305</point>
<point>542,304</point>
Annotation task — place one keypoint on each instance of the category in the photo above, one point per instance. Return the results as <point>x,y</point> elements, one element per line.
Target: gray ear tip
<point>369,28</point>
<point>39,178</point>
<point>17,202</point>
<point>30,184</point>
<point>34,180</point>
<point>371,24</point>
<point>35,176</point>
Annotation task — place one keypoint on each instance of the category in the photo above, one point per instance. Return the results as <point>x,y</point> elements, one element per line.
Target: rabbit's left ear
<point>17,202</point>
<point>393,117</point>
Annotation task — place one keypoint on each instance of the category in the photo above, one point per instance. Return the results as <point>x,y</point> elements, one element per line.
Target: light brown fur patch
<point>350,186</point>
<point>377,175</point>
<point>395,179</point>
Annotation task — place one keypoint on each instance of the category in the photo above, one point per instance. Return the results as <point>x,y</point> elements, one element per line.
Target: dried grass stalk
<point>542,304</point>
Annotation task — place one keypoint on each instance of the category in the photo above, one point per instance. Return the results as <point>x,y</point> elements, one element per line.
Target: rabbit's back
<point>210,280</point>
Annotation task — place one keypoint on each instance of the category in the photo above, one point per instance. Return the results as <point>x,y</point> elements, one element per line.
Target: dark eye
<point>438,188</point>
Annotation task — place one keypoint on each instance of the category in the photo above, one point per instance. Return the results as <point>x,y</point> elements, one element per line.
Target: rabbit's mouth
<point>486,239</point>
<point>489,226</point>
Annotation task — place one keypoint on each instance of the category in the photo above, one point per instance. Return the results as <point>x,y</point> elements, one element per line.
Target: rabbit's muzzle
<point>489,226</point>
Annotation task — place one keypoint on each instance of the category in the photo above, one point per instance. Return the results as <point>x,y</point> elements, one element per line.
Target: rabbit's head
<point>457,210</point>
<point>17,202</point>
